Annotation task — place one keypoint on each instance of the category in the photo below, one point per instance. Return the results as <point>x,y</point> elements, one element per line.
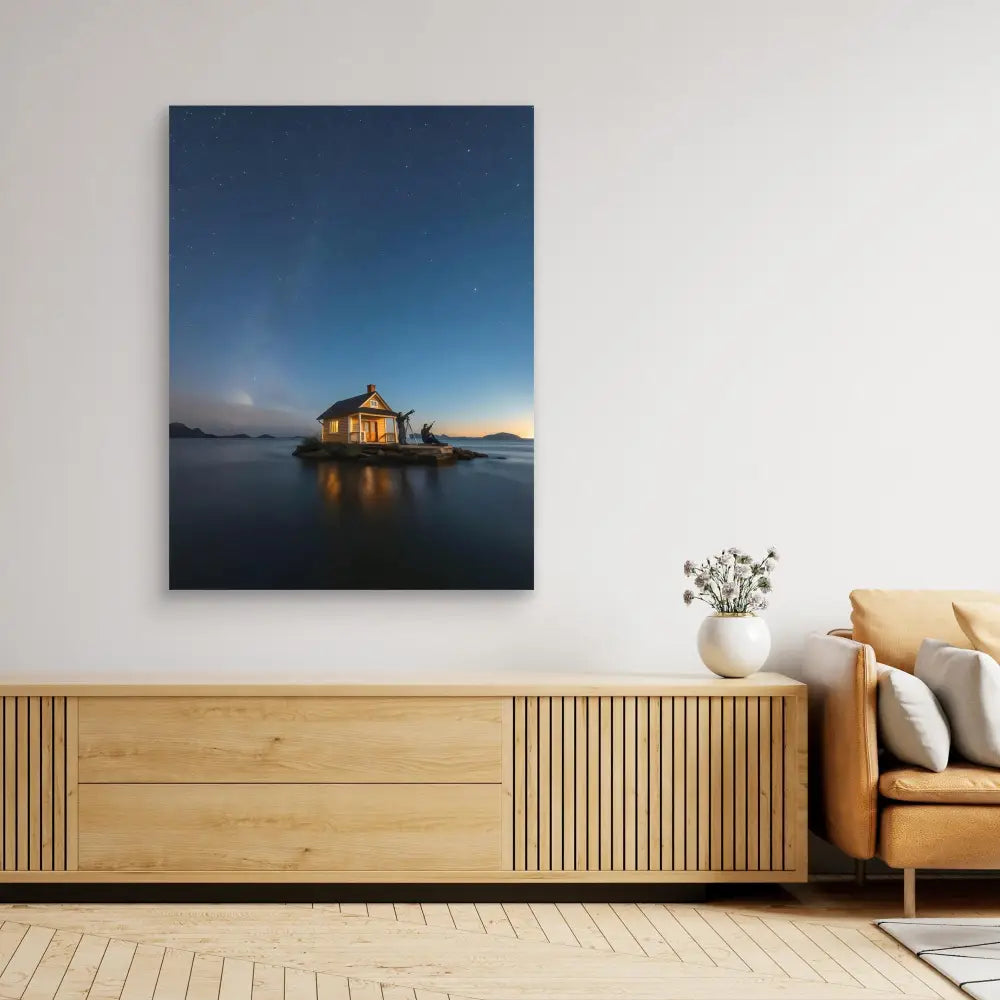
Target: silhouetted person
<point>403,426</point>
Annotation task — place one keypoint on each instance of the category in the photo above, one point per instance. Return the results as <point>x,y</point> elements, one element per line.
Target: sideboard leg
<point>909,892</point>
<point>860,871</point>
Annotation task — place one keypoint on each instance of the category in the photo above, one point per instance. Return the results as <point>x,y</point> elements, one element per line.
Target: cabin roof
<point>354,404</point>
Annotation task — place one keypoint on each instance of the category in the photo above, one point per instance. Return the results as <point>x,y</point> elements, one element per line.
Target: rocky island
<point>312,449</point>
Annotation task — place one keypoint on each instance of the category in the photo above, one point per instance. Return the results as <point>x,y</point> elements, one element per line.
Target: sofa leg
<point>860,871</point>
<point>909,892</point>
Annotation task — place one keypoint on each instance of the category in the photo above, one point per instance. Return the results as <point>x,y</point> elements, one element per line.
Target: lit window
<point>334,426</point>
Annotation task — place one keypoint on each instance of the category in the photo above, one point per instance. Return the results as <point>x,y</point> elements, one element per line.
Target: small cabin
<point>361,419</point>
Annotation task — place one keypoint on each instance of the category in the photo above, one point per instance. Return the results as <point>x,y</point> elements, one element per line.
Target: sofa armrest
<point>843,744</point>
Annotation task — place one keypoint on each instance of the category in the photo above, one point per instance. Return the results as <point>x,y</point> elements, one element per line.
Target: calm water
<point>247,515</point>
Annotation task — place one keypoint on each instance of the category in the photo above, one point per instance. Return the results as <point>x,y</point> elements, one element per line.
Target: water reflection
<point>371,486</point>
<point>376,485</point>
<point>245,515</point>
<point>331,484</point>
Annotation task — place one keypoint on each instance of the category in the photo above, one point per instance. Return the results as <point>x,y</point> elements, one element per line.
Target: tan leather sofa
<point>862,801</point>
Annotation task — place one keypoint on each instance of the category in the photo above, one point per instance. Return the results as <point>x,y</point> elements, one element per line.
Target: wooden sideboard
<point>571,778</point>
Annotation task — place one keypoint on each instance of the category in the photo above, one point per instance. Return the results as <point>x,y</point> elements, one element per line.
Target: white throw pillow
<point>967,684</point>
<point>911,722</point>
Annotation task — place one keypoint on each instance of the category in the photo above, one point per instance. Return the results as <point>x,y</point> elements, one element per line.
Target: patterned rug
<point>966,950</point>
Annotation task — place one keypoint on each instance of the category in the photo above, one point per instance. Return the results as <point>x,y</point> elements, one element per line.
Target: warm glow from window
<point>334,426</point>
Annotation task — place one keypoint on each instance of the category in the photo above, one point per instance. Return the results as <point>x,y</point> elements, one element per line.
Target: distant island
<point>179,430</point>
<point>499,436</point>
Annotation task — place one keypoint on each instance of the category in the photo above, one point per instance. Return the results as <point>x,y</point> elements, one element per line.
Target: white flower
<point>731,580</point>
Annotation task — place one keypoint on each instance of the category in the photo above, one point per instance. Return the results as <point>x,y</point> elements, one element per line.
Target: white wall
<point>771,225</point>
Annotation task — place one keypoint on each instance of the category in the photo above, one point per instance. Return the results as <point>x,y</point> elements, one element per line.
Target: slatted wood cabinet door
<point>567,779</point>
<point>38,741</point>
<point>700,785</point>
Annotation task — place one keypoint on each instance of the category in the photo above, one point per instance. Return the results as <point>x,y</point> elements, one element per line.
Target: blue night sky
<point>316,249</point>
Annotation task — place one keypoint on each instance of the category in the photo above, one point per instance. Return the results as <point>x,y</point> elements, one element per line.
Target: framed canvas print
<point>351,348</point>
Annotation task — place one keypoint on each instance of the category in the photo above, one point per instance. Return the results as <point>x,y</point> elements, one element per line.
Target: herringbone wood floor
<point>817,944</point>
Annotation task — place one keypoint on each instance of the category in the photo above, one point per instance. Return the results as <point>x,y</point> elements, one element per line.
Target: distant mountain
<point>179,430</point>
<point>499,436</point>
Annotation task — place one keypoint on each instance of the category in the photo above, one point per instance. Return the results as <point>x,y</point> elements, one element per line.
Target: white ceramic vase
<point>732,645</point>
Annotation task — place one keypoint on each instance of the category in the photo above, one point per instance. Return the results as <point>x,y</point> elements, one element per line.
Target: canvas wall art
<point>351,348</point>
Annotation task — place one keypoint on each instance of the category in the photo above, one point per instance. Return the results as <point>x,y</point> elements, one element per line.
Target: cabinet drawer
<point>294,827</point>
<point>289,739</point>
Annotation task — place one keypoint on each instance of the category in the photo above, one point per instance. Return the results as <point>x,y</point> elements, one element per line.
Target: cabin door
<point>370,427</point>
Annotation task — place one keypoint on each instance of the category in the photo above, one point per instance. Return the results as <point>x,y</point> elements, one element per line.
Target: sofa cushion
<point>957,784</point>
<point>939,835</point>
<point>895,622</point>
<point>967,684</point>
<point>911,723</point>
<point>980,621</point>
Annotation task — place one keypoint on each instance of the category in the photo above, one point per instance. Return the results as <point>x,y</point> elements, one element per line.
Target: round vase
<point>733,645</point>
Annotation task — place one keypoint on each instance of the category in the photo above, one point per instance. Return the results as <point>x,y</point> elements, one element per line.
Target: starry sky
<point>316,249</point>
